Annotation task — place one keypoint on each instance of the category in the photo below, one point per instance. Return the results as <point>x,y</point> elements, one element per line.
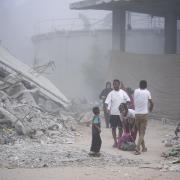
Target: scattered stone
<point>54,127</point>
<point>175,168</point>
<point>73,128</point>
<point>168,144</point>
<point>172,157</point>
<point>55,155</point>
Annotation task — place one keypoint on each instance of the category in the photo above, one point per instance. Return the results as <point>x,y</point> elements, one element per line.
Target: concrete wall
<point>71,50</point>
<point>147,41</point>
<point>162,73</point>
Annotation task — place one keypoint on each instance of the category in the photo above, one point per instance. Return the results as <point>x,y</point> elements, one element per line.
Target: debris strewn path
<point>73,162</point>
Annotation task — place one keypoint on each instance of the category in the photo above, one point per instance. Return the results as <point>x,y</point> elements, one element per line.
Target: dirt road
<point>149,169</point>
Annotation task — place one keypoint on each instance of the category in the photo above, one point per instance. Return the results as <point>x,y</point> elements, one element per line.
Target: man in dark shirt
<point>103,96</point>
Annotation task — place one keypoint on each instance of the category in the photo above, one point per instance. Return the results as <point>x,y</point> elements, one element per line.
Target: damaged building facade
<point>160,70</point>
<point>161,8</point>
<point>65,46</point>
<point>30,104</point>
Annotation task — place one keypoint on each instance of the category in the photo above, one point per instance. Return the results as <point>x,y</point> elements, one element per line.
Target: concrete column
<point>171,33</point>
<point>119,30</point>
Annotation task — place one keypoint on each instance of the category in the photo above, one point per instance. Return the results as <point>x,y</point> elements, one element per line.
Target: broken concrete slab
<point>24,72</point>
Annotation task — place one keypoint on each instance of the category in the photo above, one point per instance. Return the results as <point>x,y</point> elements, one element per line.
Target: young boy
<point>96,130</point>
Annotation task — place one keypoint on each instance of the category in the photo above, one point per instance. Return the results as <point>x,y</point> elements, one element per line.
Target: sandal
<point>144,149</point>
<point>98,154</point>
<point>114,145</point>
<point>91,153</point>
<point>137,152</point>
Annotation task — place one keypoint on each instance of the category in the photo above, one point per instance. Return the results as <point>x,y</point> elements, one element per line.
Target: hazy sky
<point>20,18</point>
<point>26,14</point>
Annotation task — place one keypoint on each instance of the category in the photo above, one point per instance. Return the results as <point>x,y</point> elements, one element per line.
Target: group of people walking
<point>126,111</point>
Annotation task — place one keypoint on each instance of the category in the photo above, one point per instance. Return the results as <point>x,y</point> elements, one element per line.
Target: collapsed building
<point>30,104</point>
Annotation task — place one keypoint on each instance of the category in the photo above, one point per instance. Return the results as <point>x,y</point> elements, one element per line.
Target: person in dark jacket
<point>103,96</point>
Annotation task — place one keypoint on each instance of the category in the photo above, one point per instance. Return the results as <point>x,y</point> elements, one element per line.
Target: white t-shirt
<point>141,98</point>
<point>130,114</point>
<point>114,99</point>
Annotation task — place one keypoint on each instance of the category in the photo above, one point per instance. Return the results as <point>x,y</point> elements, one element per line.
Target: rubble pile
<point>56,155</point>
<point>37,122</point>
<point>25,112</point>
<point>35,131</point>
<point>172,156</point>
<point>82,110</point>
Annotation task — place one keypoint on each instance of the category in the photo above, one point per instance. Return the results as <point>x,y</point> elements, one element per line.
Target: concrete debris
<point>85,118</point>
<point>14,71</point>
<point>172,156</point>
<point>31,137</point>
<point>175,168</point>
<point>168,144</point>
<point>34,128</point>
<point>177,130</point>
<point>33,156</point>
<point>27,112</point>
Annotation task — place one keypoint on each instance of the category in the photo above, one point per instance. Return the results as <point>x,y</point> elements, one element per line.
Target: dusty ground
<point>150,166</point>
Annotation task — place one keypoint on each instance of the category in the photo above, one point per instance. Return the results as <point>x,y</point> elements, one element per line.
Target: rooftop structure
<point>169,9</point>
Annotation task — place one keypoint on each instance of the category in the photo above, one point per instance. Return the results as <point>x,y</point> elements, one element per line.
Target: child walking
<point>96,130</point>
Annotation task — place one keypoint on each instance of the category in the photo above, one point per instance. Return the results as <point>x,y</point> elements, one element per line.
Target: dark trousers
<point>96,142</point>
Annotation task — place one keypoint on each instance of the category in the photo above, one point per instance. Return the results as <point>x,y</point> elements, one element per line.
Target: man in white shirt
<point>143,104</point>
<point>113,101</point>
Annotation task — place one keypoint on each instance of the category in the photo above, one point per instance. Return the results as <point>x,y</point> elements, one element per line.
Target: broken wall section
<point>31,106</point>
<point>162,73</point>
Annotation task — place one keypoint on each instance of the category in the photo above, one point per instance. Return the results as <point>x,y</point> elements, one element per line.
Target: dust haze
<point>21,20</point>
<point>77,43</point>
